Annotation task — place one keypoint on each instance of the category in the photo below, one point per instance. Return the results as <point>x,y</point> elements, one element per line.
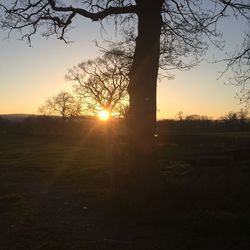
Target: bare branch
<point>102,83</point>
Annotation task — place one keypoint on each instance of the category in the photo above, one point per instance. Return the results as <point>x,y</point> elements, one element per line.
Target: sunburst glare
<point>104,115</point>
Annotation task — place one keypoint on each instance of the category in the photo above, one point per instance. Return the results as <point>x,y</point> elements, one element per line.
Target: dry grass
<point>53,195</point>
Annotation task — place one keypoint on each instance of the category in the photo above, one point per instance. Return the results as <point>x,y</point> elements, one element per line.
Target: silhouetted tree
<point>176,30</point>
<point>243,114</point>
<point>231,116</point>
<point>239,64</point>
<point>102,83</point>
<point>63,104</point>
<point>231,120</point>
<point>179,116</point>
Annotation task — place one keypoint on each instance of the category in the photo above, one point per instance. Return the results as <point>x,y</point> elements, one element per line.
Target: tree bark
<point>144,175</point>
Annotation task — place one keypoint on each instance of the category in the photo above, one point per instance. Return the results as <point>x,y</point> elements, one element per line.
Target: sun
<point>104,115</point>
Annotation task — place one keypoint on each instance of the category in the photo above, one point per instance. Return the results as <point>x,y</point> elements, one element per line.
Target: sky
<point>29,75</point>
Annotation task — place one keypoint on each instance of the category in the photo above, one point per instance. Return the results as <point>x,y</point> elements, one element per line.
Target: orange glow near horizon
<point>104,115</point>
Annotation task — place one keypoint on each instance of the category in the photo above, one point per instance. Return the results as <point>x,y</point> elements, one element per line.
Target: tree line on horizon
<point>82,125</point>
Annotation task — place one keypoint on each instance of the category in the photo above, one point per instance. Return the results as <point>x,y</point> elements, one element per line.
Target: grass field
<point>54,195</point>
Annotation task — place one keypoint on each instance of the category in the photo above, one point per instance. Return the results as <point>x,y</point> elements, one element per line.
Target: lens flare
<point>104,115</point>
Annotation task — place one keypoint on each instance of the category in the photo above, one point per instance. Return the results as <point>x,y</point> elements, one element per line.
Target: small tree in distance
<point>63,104</point>
<point>102,83</point>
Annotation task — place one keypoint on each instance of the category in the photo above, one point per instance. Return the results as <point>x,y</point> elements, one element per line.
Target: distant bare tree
<point>102,83</point>
<point>243,114</point>
<point>179,116</point>
<point>230,116</point>
<point>63,104</point>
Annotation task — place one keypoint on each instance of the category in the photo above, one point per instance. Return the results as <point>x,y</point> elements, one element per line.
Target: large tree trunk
<point>143,167</point>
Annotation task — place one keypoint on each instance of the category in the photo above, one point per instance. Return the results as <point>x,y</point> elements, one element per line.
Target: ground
<point>54,194</point>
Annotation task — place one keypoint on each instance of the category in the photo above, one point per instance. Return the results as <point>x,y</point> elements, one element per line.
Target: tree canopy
<point>63,104</point>
<point>188,27</point>
<point>102,83</point>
